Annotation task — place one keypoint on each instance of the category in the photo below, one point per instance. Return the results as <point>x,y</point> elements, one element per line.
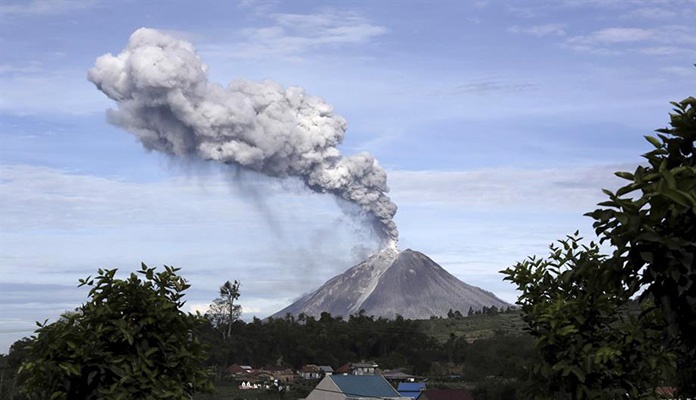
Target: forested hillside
<point>483,352</point>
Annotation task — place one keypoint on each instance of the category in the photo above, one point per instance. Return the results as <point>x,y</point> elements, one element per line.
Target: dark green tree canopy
<point>130,341</point>
<point>594,339</point>
<point>651,223</point>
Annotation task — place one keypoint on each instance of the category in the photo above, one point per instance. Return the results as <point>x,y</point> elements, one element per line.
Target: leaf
<point>654,141</point>
<point>678,197</point>
<point>624,175</point>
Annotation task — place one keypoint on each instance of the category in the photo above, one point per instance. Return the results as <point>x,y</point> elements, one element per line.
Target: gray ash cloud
<point>165,99</point>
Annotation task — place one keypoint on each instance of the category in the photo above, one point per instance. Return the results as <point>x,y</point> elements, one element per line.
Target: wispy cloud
<point>258,7</point>
<point>680,71</point>
<point>559,188</point>
<point>488,87</point>
<point>662,50</point>
<point>540,30</point>
<point>54,220</point>
<point>651,13</point>
<point>615,35</point>
<point>45,7</point>
<point>523,12</point>
<point>293,35</point>
<point>664,40</point>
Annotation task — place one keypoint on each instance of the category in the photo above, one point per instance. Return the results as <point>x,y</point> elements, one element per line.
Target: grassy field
<point>475,326</point>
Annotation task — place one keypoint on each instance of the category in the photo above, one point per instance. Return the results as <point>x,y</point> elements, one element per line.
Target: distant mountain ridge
<point>407,283</point>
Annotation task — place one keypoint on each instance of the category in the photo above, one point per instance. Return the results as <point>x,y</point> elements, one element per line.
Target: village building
<point>236,370</point>
<point>353,387</point>
<point>361,368</point>
<point>410,389</point>
<point>326,370</point>
<point>310,371</point>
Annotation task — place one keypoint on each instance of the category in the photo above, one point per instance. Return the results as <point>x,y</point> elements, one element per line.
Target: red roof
<point>310,368</point>
<point>445,394</point>
<point>343,369</point>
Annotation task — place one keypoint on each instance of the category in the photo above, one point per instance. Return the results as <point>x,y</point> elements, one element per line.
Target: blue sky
<point>498,123</point>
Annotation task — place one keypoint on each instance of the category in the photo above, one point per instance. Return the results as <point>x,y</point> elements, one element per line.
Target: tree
<point>651,223</point>
<point>223,312</point>
<point>595,342</point>
<point>590,346</point>
<point>130,341</point>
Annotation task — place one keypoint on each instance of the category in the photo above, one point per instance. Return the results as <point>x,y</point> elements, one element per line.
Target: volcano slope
<point>390,283</point>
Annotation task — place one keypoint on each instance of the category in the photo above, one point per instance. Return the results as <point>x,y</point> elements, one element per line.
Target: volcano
<point>390,283</point>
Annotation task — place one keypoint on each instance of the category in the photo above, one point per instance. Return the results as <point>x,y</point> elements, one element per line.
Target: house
<point>283,375</point>
<point>361,368</point>
<point>326,370</point>
<point>353,387</point>
<point>410,389</point>
<point>310,371</point>
<point>238,370</point>
<point>445,394</point>
<point>397,375</point>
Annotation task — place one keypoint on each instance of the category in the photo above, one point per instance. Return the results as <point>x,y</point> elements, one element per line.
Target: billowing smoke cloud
<point>165,99</point>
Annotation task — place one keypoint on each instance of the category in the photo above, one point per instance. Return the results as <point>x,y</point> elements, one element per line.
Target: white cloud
<point>615,35</point>
<point>291,36</point>
<point>523,12</point>
<point>486,87</point>
<point>58,226</point>
<point>560,189</point>
<point>650,13</point>
<point>680,71</point>
<point>665,51</point>
<point>45,7</point>
<point>540,30</point>
<point>258,7</point>
<point>665,40</point>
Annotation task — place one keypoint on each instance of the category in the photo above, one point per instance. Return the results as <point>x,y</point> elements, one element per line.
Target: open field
<point>475,326</point>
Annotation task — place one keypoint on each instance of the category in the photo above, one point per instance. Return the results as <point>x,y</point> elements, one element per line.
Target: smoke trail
<point>165,99</point>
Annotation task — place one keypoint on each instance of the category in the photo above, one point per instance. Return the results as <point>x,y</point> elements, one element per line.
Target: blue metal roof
<point>410,389</point>
<point>364,386</point>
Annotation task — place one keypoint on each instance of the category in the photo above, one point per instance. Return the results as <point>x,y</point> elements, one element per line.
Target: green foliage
<point>130,341</point>
<point>577,302</point>
<point>651,223</point>
<point>476,326</point>
<point>591,346</point>
<point>493,364</point>
<point>9,365</point>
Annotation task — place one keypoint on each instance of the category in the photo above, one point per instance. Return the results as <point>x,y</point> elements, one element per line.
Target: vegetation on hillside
<point>493,363</point>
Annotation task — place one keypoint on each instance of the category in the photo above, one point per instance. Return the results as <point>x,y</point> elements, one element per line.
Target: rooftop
<point>364,386</point>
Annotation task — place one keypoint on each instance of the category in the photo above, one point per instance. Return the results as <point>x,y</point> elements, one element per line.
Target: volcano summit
<point>407,283</point>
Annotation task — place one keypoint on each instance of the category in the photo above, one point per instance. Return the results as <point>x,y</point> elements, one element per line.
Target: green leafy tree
<point>591,346</point>
<point>651,223</point>
<point>223,312</point>
<point>9,365</point>
<point>594,342</point>
<point>130,341</point>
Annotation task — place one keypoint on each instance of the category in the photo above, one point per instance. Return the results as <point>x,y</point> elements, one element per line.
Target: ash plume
<point>165,99</point>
